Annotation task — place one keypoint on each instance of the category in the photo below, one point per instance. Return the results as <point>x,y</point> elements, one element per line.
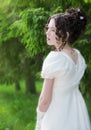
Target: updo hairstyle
<point>72,21</point>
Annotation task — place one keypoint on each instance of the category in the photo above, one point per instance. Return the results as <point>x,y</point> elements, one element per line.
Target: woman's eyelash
<point>53,30</point>
<point>46,29</point>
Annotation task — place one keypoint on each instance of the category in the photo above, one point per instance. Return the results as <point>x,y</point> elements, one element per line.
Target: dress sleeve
<point>52,66</point>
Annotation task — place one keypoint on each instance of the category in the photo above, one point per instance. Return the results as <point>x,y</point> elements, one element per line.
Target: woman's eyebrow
<point>51,27</point>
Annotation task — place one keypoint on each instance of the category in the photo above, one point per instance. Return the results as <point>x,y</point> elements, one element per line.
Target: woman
<point>61,105</point>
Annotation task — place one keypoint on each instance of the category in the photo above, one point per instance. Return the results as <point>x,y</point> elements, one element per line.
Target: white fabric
<point>67,110</point>
<point>40,116</point>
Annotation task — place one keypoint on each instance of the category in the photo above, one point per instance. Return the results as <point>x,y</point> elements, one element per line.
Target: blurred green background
<point>22,50</point>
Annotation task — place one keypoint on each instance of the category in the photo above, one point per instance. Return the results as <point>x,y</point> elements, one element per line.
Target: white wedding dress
<point>67,110</point>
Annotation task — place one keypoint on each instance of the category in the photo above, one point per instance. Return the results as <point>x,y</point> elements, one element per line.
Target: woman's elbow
<point>43,104</point>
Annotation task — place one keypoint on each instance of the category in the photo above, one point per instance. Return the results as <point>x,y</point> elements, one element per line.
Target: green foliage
<point>88,31</point>
<point>58,9</point>
<point>30,28</point>
<point>14,30</point>
<point>12,53</point>
<point>87,1</point>
<point>84,45</point>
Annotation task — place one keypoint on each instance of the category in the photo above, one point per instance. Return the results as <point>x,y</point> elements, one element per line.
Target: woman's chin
<point>50,44</point>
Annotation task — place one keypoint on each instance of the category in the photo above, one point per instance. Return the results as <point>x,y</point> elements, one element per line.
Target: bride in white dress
<point>61,105</point>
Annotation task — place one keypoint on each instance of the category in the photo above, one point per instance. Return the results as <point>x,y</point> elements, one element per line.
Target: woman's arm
<point>46,95</point>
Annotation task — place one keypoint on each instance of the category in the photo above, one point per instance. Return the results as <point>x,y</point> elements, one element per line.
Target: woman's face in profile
<point>50,33</point>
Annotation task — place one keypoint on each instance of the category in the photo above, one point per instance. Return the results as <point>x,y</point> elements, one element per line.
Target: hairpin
<point>81,17</point>
<point>78,10</point>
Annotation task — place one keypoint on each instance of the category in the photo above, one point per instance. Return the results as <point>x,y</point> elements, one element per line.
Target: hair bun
<point>79,16</point>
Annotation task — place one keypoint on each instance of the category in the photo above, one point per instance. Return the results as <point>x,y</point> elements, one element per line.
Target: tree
<point>30,29</point>
<point>14,31</point>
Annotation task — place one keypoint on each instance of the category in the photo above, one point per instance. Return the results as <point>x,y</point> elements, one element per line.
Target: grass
<point>18,110</point>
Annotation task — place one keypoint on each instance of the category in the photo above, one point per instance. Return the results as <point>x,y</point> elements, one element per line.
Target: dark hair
<point>73,21</point>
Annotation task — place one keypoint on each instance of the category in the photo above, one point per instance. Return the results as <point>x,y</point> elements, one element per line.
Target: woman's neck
<point>67,47</point>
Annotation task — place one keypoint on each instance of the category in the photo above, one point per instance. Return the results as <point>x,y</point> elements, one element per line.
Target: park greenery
<point>22,50</point>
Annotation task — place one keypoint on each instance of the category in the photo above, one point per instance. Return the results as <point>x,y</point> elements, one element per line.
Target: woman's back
<point>67,109</point>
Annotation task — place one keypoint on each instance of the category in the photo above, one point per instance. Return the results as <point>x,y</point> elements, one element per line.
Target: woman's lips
<point>48,38</point>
